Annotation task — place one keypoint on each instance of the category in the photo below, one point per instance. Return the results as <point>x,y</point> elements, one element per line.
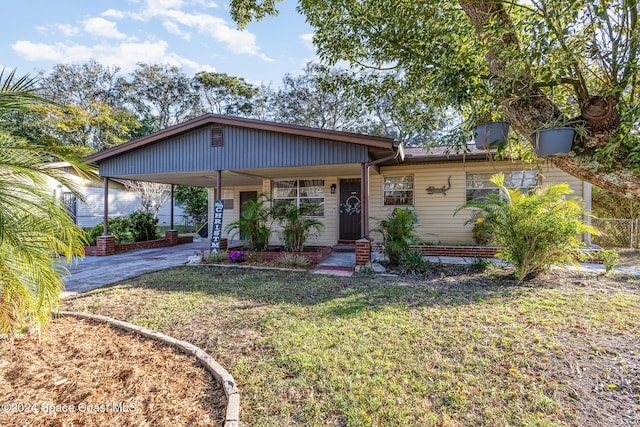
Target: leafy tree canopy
<point>533,62</point>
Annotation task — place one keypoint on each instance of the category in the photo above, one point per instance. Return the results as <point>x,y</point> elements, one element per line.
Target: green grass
<point>315,350</point>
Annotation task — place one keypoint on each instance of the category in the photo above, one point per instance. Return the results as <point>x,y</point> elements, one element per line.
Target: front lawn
<point>457,347</point>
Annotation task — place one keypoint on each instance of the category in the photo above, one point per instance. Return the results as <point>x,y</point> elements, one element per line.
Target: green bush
<point>481,230</point>
<point>609,257</point>
<point>291,260</point>
<point>119,228</point>
<point>397,230</point>
<point>412,262</point>
<point>216,256</point>
<point>537,230</point>
<point>297,226</point>
<point>254,224</point>
<point>143,226</point>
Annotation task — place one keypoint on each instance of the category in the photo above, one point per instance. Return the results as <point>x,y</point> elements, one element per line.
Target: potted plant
<point>490,134</point>
<point>555,138</point>
<point>490,130</point>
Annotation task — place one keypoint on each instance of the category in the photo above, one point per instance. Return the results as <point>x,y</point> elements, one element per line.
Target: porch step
<point>344,247</point>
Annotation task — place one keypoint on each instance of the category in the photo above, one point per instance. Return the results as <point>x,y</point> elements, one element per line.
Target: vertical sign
<point>218,208</point>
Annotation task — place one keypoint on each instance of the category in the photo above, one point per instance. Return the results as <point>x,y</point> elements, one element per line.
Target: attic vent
<point>216,136</point>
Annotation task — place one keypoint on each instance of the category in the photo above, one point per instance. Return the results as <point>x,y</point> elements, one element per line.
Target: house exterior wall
<point>121,203</point>
<point>327,237</point>
<point>435,211</point>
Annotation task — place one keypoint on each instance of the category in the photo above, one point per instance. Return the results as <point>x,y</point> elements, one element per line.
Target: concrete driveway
<point>94,272</point>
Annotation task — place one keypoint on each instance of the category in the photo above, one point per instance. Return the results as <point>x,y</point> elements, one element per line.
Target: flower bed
<point>315,254</point>
<point>148,244</point>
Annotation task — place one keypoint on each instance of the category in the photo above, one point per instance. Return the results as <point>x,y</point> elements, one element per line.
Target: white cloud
<point>307,41</point>
<point>113,13</point>
<point>173,28</point>
<point>240,42</point>
<point>66,30</point>
<point>103,28</point>
<point>125,55</point>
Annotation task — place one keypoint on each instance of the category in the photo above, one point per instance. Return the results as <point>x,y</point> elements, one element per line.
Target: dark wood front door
<point>245,196</point>
<point>350,208</point>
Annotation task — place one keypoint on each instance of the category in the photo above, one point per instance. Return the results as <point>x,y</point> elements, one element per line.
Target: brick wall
<point>363,252</point>
<point>106,247</point>
<point>459,251</point>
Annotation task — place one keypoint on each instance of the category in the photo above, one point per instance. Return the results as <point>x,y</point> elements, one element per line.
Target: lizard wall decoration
<point>433,190</point>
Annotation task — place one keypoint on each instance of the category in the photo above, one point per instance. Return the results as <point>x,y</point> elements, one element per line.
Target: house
<point>90,212</point>
<point>354,179</point>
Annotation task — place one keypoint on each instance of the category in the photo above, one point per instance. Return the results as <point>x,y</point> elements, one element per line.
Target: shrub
<point>412,262</point>
<point>254,224</point>
<point>481,230</point>
<point>537,229</point>
<point>119,228</point>
<point>236,256</point>
<point>216,256</point>
<point>609,257</point>
<point>398,234</point>
<point>297,226</point>
<point>143,226</point>
<point>292,260</point>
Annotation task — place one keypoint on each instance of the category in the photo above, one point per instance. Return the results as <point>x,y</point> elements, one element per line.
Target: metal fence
<point>617,232</point>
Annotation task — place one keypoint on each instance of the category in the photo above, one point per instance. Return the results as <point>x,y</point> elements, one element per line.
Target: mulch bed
<point>90,374</point>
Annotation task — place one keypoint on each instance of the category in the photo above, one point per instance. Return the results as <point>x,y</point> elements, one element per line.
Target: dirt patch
<point>88,373</point>
<point>629,258</point>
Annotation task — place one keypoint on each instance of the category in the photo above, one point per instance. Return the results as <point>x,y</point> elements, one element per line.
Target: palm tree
<point>297,225</point>
<point>36,233</point>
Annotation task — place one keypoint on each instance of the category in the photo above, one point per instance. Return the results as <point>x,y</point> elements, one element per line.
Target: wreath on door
<point>351,205</point>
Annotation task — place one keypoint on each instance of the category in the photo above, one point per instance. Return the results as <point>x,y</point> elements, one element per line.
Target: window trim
<point>467,188</point>
<point>297,198</point>
<point>413,190</point>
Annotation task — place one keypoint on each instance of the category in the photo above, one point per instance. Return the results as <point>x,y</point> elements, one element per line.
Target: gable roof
<point>379,142</point>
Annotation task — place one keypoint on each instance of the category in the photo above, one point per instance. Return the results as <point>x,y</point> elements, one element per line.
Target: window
<point>479,184</point>
<point>398,190</point>
<point>301,191</point>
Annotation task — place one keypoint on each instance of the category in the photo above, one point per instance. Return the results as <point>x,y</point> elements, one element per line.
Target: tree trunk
<point>532,108</point>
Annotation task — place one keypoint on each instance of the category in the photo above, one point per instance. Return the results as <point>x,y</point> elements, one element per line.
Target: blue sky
<point>193,34</point>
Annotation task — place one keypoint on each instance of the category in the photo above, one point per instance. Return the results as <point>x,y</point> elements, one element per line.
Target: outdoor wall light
<point>333,189</point>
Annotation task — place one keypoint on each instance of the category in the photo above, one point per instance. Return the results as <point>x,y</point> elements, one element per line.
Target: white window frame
<point>412,191</point>
<point>297,198</point>
<point>488,185</point>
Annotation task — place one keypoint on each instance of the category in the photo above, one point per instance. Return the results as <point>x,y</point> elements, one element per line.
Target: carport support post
<point>171,225</point>
<point>218,185</point>
<point>105,227</point>
<point>364,201</point>
<point>105,244</point>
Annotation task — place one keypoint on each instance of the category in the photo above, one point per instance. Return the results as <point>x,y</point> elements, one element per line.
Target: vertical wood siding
<point>242,149</point>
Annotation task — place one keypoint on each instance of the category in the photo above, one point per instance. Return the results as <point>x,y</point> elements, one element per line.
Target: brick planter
<point>104,248</point>
<point>458,251</point>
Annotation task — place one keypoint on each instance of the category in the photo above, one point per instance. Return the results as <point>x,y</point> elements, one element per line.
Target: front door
<point>245,196</point>
<point>350,208</point>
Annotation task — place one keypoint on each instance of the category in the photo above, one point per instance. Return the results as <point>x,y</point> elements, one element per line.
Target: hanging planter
<point>554,142</point>
<point>489,134</point>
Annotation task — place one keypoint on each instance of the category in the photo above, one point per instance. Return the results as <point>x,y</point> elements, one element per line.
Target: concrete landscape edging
<point>232,416</point>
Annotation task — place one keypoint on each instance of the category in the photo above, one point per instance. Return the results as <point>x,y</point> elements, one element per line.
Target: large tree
<point>35,230</point>
<point>537,62</point>
<point>221,93</point>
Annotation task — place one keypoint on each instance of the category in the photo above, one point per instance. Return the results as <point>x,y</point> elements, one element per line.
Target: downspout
<point>364,186</point>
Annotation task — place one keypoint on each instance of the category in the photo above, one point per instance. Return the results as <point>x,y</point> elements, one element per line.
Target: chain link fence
<point>617,232</point>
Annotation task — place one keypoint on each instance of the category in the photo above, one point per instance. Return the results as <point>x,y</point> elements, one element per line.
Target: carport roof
<point>377,144</point>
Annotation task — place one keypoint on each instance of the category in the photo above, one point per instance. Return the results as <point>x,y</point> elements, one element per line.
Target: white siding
<point>435,211</point>
<point>328,236</point>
